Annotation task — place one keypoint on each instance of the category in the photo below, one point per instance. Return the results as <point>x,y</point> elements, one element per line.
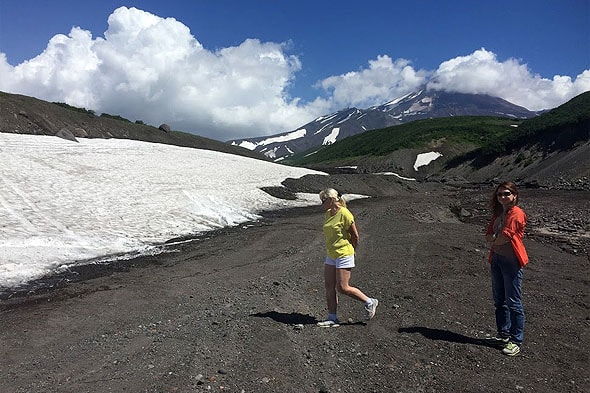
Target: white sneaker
<point>329,323</point>
<point>371,309</point>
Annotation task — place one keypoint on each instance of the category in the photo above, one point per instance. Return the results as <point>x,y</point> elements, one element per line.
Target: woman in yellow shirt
<point>341,242</point>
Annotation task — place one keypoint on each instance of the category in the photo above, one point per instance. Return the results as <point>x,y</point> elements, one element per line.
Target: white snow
<point>331,138</point>
<point>63,203</point>
<point>348,117</point>
<point>275,139</point>
<point>284,138</point>
<point>425,159</point>
<point>246,145</point>
<point>398,100</point>
<point>396,175</point>
<point>323,119</point>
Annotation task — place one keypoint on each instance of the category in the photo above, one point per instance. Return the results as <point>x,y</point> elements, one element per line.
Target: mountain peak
<point>416,105</point>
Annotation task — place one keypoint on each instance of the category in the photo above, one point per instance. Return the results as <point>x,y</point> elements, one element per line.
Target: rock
<point>66,134</point>
<point>80,132</point>
<point>464,213</point>
<point>164,127</point>
<point>200,379</point>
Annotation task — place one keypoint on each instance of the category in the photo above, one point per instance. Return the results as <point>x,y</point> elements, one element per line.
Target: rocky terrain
<point>236,310</point>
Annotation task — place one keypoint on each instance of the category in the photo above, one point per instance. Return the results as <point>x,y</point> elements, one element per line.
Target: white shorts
<point>342,262</point>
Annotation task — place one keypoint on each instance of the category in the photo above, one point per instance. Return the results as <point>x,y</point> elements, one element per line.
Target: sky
<point>233,69</point>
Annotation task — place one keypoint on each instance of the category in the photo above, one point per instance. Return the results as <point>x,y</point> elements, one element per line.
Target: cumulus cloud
<point>383,80</point>
<point>482,73</point>
<point>152,69</point>
<point>478,73</point>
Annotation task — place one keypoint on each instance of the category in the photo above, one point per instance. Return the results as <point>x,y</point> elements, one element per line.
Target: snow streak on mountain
<point>418,105</point>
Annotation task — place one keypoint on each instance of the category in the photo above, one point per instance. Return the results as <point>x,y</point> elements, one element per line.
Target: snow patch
<point>425,159</point>
<point>63,202</point>
<point>332,137</point>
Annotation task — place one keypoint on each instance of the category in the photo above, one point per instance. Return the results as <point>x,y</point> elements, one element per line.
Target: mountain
<point>550,150</point>
<point>422,104</point>
<point>21,114</point>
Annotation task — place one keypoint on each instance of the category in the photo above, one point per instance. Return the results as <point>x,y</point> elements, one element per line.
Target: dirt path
<point>237,312</point>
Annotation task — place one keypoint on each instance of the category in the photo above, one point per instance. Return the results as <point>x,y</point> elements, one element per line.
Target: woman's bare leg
<point>342,285</point>
<point>330,285</point>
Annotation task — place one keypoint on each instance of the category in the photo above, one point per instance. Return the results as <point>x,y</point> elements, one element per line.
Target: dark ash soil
<point>236,311</point>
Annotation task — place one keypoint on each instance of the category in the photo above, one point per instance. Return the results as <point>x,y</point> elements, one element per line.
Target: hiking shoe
<point>511,349</point>
<point>329,323</point>
<point>370,310</point>
<point>498,340</point>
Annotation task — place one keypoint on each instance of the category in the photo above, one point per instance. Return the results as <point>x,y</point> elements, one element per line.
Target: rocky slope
<point>27,115</point>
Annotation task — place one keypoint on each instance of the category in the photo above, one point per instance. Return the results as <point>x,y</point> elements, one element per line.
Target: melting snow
<point>63,202</point>
<point>328,140</point>
<point>425,159</point>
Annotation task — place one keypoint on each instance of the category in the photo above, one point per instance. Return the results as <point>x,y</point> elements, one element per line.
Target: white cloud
<point>152,69</point>
<point>482,73</point>
<point>479,72</point>
<point>383,80</point>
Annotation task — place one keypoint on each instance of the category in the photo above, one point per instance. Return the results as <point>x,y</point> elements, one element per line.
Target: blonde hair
<point>332,193</point>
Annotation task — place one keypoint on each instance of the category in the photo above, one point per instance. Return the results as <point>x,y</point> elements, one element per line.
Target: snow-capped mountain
<point>422,104</point>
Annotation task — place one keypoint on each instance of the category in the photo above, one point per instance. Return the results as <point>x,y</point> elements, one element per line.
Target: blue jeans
<point>507,291</point>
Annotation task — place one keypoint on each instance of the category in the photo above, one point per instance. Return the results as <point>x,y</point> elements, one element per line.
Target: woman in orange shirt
<point>507,258</point>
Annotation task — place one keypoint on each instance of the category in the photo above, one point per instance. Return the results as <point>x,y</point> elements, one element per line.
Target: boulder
<point>80,132</point>
<point>66,134</point>
<point>164,127</point>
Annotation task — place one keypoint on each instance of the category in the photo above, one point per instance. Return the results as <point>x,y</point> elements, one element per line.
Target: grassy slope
<point>484,138</point>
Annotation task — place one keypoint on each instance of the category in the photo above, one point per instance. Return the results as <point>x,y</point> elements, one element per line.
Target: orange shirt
<point>514,230</point>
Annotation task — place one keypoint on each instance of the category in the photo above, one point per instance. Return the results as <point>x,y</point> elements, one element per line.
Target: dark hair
<point>495,206</point>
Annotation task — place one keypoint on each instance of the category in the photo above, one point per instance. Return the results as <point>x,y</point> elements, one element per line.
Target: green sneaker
<point>511,349</point>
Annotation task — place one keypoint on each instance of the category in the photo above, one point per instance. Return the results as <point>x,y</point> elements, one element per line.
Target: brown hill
<point>27,115</point>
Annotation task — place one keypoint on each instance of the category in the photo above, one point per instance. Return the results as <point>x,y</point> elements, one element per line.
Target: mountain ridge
<point>22,114</point>
<point>421,104</point>
<point>551,150</point>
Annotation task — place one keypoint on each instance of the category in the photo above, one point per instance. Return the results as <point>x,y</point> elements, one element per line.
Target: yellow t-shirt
<point>337,236</point>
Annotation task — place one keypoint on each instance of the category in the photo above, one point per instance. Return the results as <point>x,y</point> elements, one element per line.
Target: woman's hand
<point>490,237</point>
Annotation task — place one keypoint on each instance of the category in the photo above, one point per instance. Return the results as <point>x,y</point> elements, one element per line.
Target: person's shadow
<point>445,335</point>
<point>295,318</point>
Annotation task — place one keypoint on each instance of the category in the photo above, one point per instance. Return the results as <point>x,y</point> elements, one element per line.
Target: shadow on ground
<point>293,318</point>
<point>445,335</point>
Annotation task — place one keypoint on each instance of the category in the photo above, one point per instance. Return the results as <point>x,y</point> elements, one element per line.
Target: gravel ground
<point>236,310</point>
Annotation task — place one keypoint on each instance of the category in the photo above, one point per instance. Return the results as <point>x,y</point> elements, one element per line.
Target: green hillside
<point>483,137</point>
<point>475,131</point>
<point>559,128</point>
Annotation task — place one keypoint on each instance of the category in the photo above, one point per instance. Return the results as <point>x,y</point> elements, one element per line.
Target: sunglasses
<point>504,193</point>
<point>324,200</point>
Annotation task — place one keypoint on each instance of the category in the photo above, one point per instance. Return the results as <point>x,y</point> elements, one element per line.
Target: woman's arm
<point>354,235</point>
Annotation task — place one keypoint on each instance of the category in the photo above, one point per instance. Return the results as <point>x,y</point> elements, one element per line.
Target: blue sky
<point>325,56</point>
